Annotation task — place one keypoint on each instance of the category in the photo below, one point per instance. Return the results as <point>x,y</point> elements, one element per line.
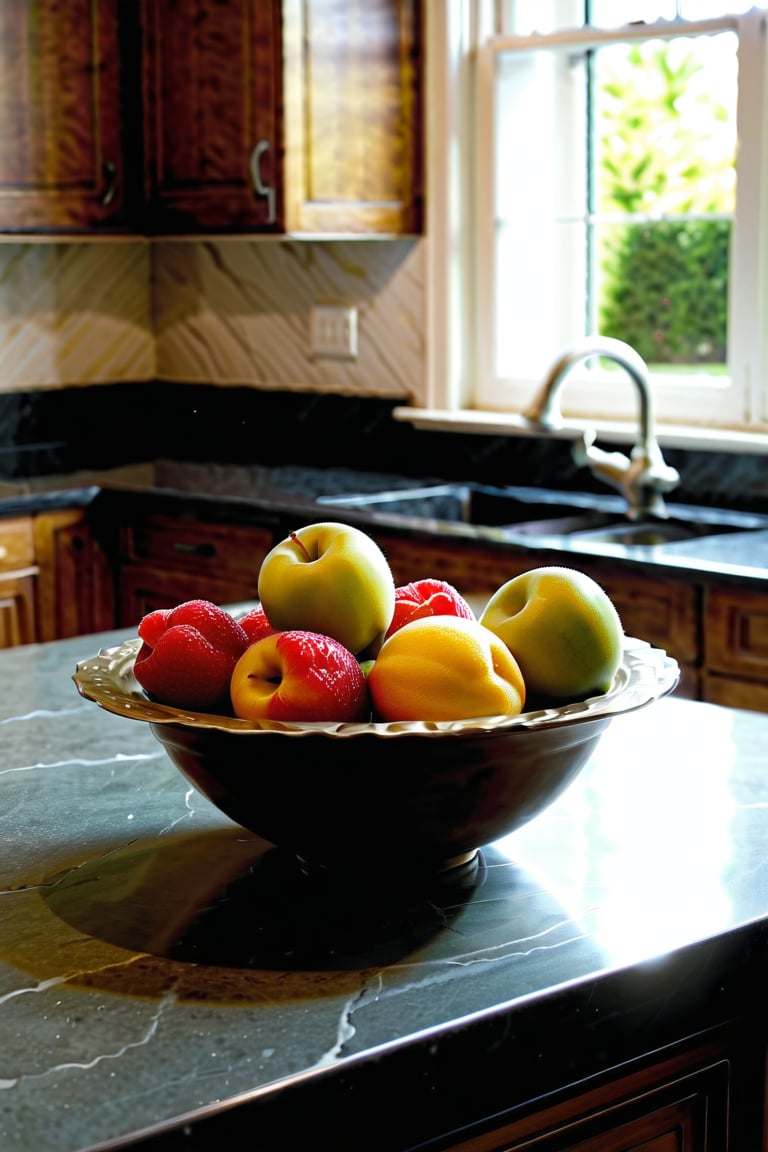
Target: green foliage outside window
<point>664,286</point>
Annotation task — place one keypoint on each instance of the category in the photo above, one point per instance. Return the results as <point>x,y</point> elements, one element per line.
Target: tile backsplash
<point>74,314</point>
<point>237,312</point>
<point>209,312</point>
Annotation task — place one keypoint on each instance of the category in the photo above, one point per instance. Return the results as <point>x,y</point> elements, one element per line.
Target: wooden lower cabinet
<point>165,561</point>
<point>143,589</point>
<point>18,576</point>
<point>664,612</point>
<point>17,609</point>
<point>736,648</point>
<point>680,1104</point>
<point>76,585</point>
<point>475,572</point>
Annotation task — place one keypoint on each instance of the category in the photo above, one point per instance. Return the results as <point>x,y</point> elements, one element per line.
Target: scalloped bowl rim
<point>644,675</point>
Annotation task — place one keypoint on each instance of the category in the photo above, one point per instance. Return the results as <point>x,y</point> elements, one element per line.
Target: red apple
<point>187,655</point>
<point>427,598</point>
<point>299,675</point>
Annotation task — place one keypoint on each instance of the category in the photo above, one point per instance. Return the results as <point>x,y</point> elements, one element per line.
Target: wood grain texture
<point>211,81</point>
<point>60,117</point>
<point>354,117</point>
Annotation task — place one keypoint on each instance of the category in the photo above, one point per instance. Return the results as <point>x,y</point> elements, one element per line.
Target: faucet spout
<point>644,475</point>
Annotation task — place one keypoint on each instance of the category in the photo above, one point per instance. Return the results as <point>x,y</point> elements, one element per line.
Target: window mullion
<point>748,305</point>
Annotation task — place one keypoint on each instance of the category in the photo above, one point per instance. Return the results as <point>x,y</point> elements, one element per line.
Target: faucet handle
<point>612,466</point>
<point>641,477</point>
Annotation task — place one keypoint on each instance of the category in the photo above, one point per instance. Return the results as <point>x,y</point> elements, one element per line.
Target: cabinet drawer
<point>731,692</point>
<point>17,546</point>
<point>194,546</point>
<point>144,589</point>
<point>736,632</point>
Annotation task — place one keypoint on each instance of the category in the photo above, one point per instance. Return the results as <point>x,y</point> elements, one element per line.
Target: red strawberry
<point>152,626</point>
<point>188,654</point>
<point>427,598</point>
<point>255,624</point>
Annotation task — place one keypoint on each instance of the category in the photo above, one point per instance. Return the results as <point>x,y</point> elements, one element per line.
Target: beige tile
<point>237,312</point>
<point>74,313</point>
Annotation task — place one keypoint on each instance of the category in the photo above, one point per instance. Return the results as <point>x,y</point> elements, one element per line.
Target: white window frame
<point>459,328</point>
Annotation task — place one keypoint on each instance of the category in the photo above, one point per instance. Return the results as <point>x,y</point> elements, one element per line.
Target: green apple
<point>329,578</point>
<point>562,628</point>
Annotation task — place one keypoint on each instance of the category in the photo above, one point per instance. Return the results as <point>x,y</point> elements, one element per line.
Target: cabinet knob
<point>259,186</point>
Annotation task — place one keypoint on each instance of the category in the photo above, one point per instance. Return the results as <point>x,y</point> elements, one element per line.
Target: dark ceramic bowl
<point>422,796</point>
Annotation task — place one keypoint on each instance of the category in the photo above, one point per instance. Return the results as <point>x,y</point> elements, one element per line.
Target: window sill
<point>512,424</point>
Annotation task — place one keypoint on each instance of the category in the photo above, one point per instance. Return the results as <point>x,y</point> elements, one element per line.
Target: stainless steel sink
<point>548,516</point>
<point>595,528</point>
<point>474,504</point>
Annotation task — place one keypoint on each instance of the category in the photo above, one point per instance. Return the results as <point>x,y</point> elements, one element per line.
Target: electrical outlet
<point>333,332</point>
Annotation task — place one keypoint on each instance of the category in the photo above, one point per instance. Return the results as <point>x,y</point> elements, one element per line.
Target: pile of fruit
<point>334,639</point>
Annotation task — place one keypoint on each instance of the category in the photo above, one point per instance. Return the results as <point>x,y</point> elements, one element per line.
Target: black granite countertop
<point>167,977</point>
<point>288,495</point>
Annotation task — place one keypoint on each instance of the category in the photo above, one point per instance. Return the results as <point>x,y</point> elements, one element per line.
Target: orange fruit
<point>445,668</point>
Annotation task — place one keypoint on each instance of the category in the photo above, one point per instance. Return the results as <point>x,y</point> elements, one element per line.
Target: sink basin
<point>474,504</point>
<point>547,515</point>
<point>596,528</point>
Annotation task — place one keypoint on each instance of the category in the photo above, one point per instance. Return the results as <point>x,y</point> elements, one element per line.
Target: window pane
<point>665,129</point>
<point>623,224</point>
<point>617,13</point>
<point>540,206</point>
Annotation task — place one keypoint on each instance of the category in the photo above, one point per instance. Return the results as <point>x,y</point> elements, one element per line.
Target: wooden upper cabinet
<point>211,116</point>
<point>211,83</point>
<point>353,91</point>
<point>61,167</point>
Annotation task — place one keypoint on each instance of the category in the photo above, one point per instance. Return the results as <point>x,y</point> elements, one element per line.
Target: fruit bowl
<point>381,797</point>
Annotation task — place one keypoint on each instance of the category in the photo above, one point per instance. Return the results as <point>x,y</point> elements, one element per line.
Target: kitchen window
<point>605,169</point>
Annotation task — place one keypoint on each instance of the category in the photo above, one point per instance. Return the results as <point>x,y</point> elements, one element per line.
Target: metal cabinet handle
<point>207,550</point>
<point>110,177</point>
<point>259,186</point>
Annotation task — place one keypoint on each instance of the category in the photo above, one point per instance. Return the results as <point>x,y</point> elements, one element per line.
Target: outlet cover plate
<point>333,332</point>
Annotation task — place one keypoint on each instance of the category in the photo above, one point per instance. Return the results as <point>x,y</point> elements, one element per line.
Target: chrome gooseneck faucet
<point>642,477</point>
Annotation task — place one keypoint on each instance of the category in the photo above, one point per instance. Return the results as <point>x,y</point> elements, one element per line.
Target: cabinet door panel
<point>211,80</point>
<point>60,128</point>
<point>737,632</point>
<point>353,124</point>
<point>17,610</point>
<point>664,1108</point>
<point>212,551</point>
<point>75,593</point>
